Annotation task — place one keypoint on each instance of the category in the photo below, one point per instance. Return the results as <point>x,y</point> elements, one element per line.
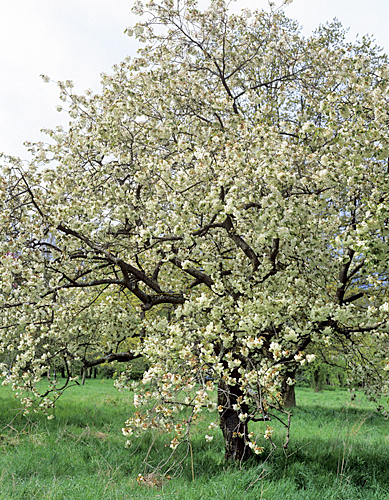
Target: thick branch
<point>200,276</point>
<point>124,266</point>
<point>252,205</point>
<point>240,242</point>
<point>162,299</point>
<point>353,298</point>
<point>343,276</point>
<point>273,252</point>
<point>113,356</point>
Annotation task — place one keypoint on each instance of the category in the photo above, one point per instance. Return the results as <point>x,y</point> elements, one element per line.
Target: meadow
<point>339,449</point>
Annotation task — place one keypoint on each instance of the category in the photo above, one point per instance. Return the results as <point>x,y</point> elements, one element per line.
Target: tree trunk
<point>235,431</point>
<point>288,392</point>
<point>317,380</point>
<point>289,397</point>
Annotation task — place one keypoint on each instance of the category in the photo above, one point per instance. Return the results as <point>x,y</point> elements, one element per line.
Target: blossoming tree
<point>233,179</point>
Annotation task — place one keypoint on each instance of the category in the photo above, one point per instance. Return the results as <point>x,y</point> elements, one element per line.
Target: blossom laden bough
<point>219,208</point>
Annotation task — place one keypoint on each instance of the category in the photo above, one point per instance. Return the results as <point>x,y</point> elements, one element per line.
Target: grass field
<point>339,450</point>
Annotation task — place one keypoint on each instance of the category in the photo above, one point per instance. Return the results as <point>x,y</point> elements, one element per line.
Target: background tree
<point>236,173</point>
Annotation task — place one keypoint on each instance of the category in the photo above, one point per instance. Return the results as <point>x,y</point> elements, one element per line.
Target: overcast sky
<point>78,39</point>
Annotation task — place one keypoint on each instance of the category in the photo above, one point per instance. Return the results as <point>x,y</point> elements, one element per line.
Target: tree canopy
<point>233,180</point>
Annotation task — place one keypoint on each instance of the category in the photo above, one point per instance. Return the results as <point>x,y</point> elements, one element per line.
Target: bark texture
<point>235,431</point>
<point>288,392</point>
<point>289,397</point>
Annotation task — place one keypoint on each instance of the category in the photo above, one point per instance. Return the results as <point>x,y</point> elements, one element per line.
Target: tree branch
<point>202,277</point>
<point>240,242</point>
<point>112,356</point>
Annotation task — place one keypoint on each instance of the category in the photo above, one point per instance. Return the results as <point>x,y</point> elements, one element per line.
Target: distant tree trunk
<point>235,431</point>
<point>62,371</point>
<point>288,392</point>
<point>317,380</point>
<point>83,376</point>
<point>289,397</point>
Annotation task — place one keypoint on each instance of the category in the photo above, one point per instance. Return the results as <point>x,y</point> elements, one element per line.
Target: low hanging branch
<point>112,356</point>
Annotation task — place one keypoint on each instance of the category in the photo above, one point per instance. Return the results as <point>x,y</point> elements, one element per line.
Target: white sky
<point>78,39</point>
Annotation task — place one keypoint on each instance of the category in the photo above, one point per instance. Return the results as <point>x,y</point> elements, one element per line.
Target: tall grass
<point>339,450</point>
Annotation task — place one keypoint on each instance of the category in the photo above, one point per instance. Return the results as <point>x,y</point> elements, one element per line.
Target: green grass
<point>339,450</point>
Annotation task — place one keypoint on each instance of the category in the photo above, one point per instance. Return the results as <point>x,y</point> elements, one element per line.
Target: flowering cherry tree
<point>220,206</point>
